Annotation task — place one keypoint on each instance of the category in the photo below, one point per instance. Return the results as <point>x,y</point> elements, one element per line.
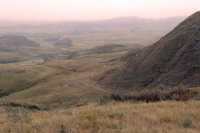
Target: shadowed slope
<point>173,60</point>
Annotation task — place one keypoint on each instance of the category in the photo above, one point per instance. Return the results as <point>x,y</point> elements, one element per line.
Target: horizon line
<point>7,21</point>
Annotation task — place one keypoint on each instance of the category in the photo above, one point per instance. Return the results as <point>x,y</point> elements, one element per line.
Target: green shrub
<point>103,100</point>
<point>187,123</point>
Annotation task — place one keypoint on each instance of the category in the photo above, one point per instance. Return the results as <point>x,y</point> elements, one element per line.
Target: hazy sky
<point>93,9</point>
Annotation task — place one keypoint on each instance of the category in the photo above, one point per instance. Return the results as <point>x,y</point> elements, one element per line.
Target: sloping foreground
<point>161,117</point>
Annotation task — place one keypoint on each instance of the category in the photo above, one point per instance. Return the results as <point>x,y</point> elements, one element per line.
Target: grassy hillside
<point>172,61</point>
<point>57,83</point>
<point>163,117</point>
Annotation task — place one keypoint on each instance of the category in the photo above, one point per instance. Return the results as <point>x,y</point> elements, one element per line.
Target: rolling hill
<point>14,48</point>
<point>13,42</point>
<point>57,82</point>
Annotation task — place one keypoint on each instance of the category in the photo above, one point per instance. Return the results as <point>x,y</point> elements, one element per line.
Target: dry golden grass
<point>162,117</point>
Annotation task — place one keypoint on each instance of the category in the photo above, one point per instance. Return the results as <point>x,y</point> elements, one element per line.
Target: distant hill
<point>14,48</point>
<point>63,43</point>
<point>76,27</point>
<point>123,31</point>
<point>107,49</point>
<point>173,60</point>
<point>14,42</point>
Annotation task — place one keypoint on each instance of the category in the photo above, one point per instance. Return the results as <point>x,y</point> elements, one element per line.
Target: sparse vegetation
<point>162,117</point>
<point>187,123</point>
<point>83,81</point>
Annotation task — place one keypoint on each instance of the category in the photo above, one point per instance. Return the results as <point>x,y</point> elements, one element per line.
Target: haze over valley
<point>69,71</point>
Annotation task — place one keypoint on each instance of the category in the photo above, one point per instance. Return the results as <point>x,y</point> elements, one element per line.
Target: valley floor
<point>160,117</point>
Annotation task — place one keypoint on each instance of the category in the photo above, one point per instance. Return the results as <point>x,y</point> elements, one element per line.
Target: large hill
<point>173,60</point>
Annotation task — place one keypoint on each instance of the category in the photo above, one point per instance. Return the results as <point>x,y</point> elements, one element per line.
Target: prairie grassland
<point>161,117</point>
<point>56,82</point>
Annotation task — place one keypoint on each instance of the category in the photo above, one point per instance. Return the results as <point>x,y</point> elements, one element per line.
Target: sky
<point>84,10</point>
